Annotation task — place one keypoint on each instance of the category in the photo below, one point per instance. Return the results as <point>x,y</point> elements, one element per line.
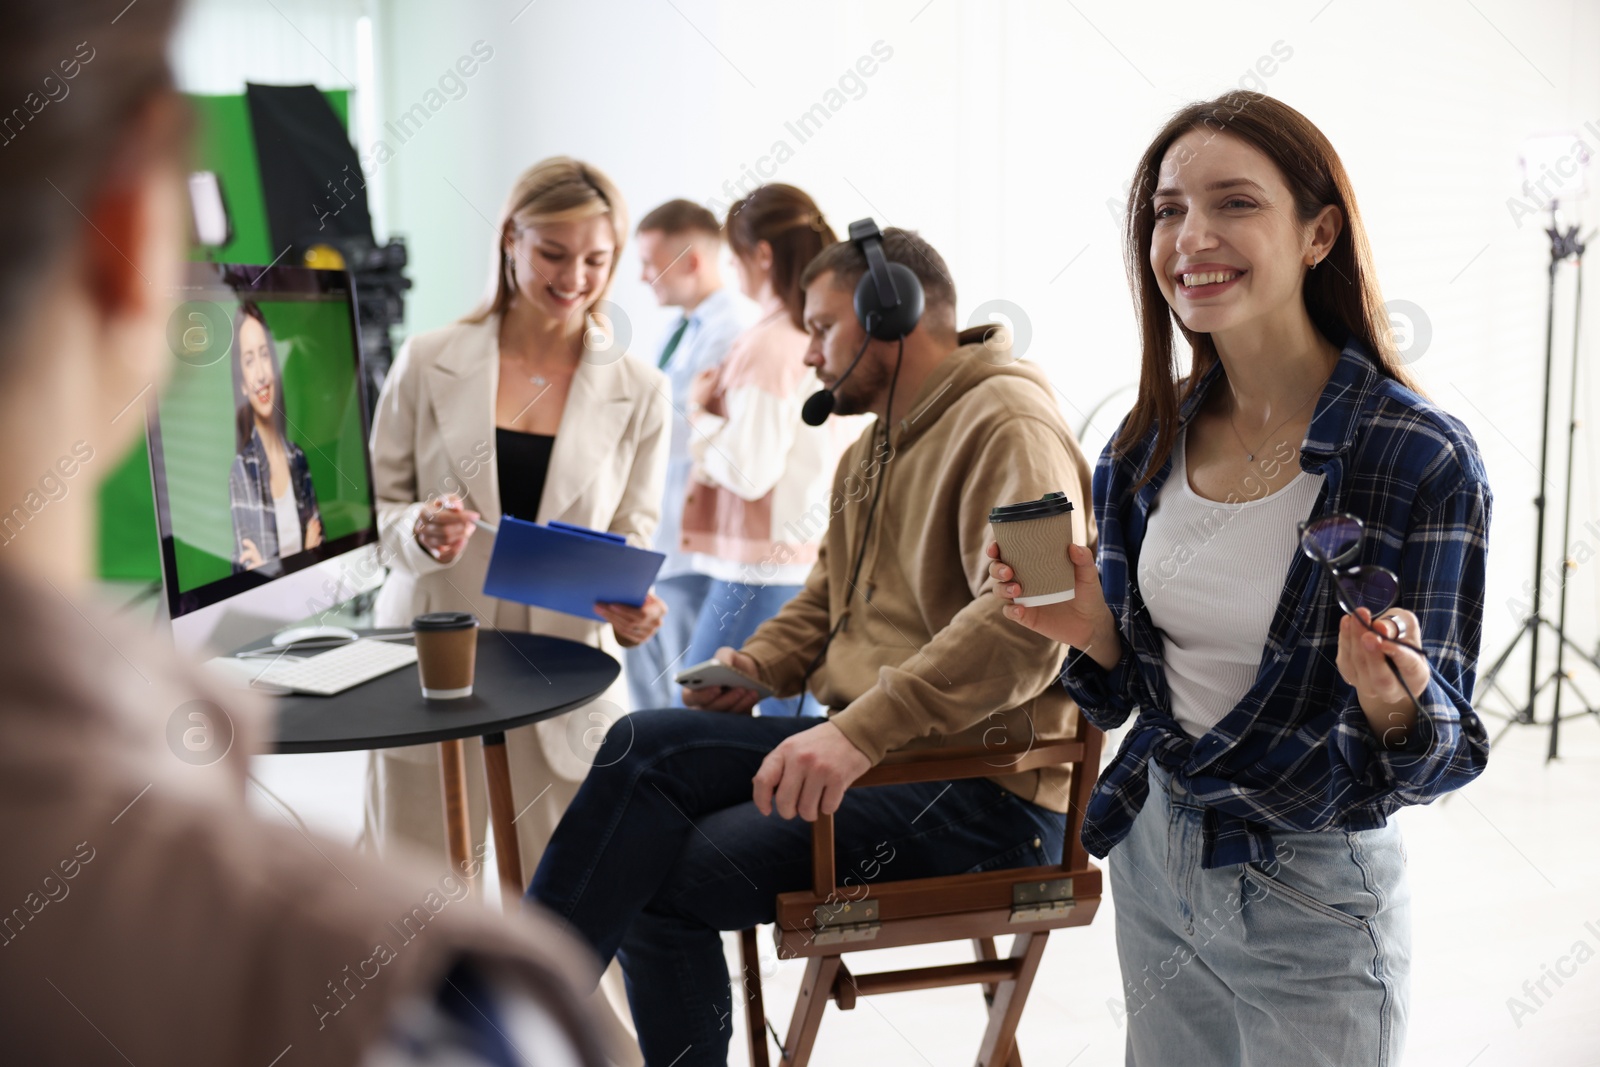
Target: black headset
<point>888,297</point>
<point>888,304</point>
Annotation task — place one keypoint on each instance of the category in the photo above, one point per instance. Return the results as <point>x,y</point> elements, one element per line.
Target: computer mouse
<point>295,635</point>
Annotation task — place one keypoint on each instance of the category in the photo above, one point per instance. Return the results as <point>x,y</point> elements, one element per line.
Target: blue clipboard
<point>568,568</point>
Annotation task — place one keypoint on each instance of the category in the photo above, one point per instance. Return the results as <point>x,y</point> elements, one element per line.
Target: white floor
<point>1506,884</point>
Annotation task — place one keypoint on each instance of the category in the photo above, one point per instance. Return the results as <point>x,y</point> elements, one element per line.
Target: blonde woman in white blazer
<point>528,366</point>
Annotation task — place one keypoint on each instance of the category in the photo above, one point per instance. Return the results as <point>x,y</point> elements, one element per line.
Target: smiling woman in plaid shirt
<point>1263,914</point>
<point>270,494</point>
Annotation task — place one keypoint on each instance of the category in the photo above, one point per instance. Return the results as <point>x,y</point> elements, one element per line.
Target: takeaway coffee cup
<point>447,653</point>
<point>1033,538</point>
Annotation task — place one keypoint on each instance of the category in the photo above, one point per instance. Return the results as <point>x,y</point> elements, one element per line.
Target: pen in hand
<point>443,527</point>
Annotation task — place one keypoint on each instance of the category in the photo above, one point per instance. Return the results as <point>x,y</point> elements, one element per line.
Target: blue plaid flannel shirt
<point>1297,753</point>
<point>250,501</point>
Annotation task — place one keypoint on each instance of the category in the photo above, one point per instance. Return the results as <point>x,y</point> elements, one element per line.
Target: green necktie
<point>672,343</point>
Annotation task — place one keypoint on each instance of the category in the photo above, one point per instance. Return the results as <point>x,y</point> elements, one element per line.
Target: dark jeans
<point>662,848</point>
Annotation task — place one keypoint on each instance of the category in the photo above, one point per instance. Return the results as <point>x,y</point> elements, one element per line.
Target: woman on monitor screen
<point>528,408</point>
<point>274,505</point>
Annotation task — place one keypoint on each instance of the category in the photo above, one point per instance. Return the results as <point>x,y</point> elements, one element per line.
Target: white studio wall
<point>1006,133</point>
<point>221,44</point>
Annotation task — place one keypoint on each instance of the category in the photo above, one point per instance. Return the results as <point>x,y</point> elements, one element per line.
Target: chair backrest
<point>914,911</point>
<point>1081,753</point>
<point>829,920</point>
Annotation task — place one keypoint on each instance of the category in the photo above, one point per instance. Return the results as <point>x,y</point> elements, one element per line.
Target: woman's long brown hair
<point>1341,295</point>
<point>790,221</point>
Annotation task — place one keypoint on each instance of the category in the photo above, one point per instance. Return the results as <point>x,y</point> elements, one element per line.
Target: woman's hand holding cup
<point>1085,622</point>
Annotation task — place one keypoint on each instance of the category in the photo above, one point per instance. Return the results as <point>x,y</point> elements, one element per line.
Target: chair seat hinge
<point>851,921</point>
<point>1033,901</point>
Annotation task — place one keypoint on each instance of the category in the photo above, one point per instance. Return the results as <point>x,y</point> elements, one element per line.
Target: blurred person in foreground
<point>146,916</point>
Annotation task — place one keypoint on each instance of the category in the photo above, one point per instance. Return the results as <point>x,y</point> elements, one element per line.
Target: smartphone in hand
<point>714,673</point>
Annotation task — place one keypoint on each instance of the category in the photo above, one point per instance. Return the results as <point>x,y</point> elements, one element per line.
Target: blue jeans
<point>662,848</point>
<point>650,666</point>
<point>1305,959</point>
<point>730,614</point>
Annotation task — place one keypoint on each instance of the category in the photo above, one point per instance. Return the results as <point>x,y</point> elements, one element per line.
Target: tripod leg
<point>1589,707</point>
<point>1487,680</point>
<point>1566,508</point>
<point>1487,677</point>
<point>1555,710</point>
<point>1577,649</point>
<point>1557,254</point>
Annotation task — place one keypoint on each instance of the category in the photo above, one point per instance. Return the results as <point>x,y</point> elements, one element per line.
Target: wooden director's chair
<point>827,921</point>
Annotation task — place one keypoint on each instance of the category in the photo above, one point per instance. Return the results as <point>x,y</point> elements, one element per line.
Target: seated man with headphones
<point>672,837</point>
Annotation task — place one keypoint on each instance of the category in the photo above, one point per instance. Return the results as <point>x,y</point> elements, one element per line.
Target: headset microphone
<point>888,303</point>
<point>819,405</point>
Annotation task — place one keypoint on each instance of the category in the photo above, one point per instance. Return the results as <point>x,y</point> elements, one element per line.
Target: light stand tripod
<point>1563,244</point>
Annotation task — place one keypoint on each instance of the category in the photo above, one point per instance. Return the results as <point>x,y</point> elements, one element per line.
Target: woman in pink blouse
<point>758,497</point>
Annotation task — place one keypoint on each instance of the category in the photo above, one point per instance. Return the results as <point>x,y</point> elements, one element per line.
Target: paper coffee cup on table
<point>1033,538</point>
<point>447,653</point>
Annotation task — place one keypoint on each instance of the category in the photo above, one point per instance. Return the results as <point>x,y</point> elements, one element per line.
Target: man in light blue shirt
<point>680,246</point>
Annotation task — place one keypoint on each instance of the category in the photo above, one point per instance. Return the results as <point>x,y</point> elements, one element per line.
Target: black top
<point>523,461</point>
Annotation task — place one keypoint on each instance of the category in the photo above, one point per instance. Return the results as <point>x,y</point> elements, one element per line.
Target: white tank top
<point>288,516</point>
<point>1212,572</point>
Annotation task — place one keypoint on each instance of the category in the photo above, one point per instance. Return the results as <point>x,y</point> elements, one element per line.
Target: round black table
<point>520,679</point>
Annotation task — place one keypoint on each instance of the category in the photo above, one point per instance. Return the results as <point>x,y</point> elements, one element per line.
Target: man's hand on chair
<point>808,773</point>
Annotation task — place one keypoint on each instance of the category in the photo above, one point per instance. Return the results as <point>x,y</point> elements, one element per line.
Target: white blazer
<point>434,434</point>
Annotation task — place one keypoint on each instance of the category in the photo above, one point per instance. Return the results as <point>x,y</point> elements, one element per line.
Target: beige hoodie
<point>925,655</point>
<point>148,916</point>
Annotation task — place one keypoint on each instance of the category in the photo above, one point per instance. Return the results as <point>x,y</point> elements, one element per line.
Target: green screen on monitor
<point>258,440</point>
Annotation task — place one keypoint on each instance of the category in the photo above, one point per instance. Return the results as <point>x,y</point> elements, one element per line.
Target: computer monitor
<point>258,455</point>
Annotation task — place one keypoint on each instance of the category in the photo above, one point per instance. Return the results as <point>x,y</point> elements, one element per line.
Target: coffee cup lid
<point>444,620</point>
<point>1046,506</point>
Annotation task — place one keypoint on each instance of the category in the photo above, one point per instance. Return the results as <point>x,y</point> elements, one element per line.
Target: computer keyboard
<point>338,669</point>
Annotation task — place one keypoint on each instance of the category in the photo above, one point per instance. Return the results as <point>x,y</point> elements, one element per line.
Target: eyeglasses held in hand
<point>1333,541</point>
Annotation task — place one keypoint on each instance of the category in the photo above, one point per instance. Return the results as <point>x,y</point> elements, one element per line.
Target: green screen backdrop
<point>129,545</point>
